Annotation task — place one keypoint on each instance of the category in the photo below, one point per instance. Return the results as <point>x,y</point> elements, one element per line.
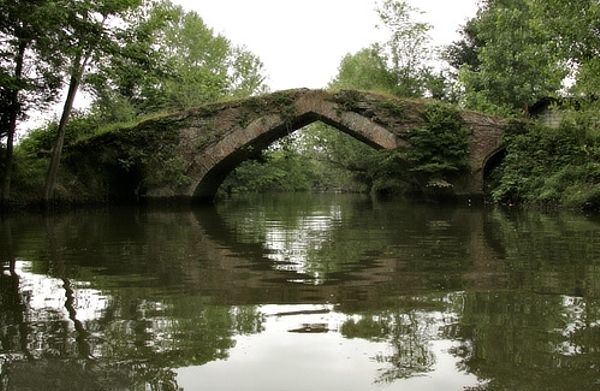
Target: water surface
<point>298,292</point>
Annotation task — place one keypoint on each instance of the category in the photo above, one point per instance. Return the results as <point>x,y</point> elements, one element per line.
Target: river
<point>300,292</point>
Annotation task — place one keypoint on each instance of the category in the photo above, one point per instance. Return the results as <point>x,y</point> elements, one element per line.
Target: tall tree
<point>123,85</point>
<point>465,52</point>
<point>27,69</point>
<point>407,49</point>
<point>191,65</point>
<point>575,28</point>
<point>88,32</point>
<point>402,64</point>
<point>10,103</point>
<point>517,61</point>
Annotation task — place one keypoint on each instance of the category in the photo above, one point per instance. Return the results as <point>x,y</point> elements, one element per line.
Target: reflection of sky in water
<point>574,316</point>
<point>320,361</point>
<point>290,247</point>
<point>46,296</point>
<point>332,358</point>
<point>45,301</point>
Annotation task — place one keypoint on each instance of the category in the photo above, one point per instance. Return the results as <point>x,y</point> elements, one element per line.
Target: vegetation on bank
<point>545,166</point>
<point>163,59</point>
<point>135,58</point>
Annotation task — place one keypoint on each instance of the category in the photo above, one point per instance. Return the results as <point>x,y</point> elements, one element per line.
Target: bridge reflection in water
<point>352,292</point>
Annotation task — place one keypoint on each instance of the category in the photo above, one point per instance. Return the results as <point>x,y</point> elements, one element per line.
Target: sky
<point>302,42</point>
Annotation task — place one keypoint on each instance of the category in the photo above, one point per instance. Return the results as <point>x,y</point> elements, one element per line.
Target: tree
<point>465,51</point>
<point>365,70</point>
<point>123,84</point>
<point>11,107</point>
<point>407,49</point>
<point>517,59</point>
<point>401,64</point>
<point>27,69</point>
<point>189,65</point>
<point>574,28</point>
<point>88,31</point>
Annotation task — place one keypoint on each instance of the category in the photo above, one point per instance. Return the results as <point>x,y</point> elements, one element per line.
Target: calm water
<point>301,292</point>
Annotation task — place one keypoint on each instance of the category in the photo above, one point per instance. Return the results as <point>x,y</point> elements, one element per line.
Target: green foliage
<point>438,152</point>
<point>574,29</point>
<point>276,170</point>
<point>466,50</point>
<point>172,61</point>
<point>141,148</point>
<point>517,59</point>
<point>41,140</point>
<point>513,52</point>
<point>320,157</point>
<point>407,48</point>
<point>28,24</point>
<point>365,70</point>
<point>400,65</point>
<point>298,162</point>
<point>32,153</point>
<point>385,173</point>
<point>28,176</point>
<point>550,166</point>
<point>440,148</point>
<point>392,108</point>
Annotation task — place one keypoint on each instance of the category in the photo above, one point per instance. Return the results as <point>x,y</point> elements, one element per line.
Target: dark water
<point>300,293</point>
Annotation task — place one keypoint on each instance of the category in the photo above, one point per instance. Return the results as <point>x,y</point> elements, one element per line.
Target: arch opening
<point>270,141</point>
<point>490,170</point>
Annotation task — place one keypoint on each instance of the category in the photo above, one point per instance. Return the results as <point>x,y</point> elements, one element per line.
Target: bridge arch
<point>491,162</point>
<point>216,162</point>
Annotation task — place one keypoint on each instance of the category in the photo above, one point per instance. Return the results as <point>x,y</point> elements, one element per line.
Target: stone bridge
<point>189,154</point>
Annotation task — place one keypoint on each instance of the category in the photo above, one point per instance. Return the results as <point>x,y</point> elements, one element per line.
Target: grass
<point>115,126</point>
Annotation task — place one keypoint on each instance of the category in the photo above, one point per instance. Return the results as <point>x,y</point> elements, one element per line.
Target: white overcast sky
<point>302,42</point>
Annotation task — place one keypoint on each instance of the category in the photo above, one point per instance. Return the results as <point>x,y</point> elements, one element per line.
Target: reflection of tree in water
<point>510,340</point>
<point>409,329</point>
<point>14,330</point>
<point>530,341</point>
<point>74,337</point>
<point>410,340</point>
<point>551,253</point>
<point>544,332</point>
<point>135,344</point>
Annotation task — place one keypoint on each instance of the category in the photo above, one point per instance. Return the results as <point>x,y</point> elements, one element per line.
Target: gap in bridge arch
<point>491,170</point>
<point>316,157</point>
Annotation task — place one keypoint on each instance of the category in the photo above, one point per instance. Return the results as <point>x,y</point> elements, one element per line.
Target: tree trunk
<point>12,123</point>
<point>76,75</point>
